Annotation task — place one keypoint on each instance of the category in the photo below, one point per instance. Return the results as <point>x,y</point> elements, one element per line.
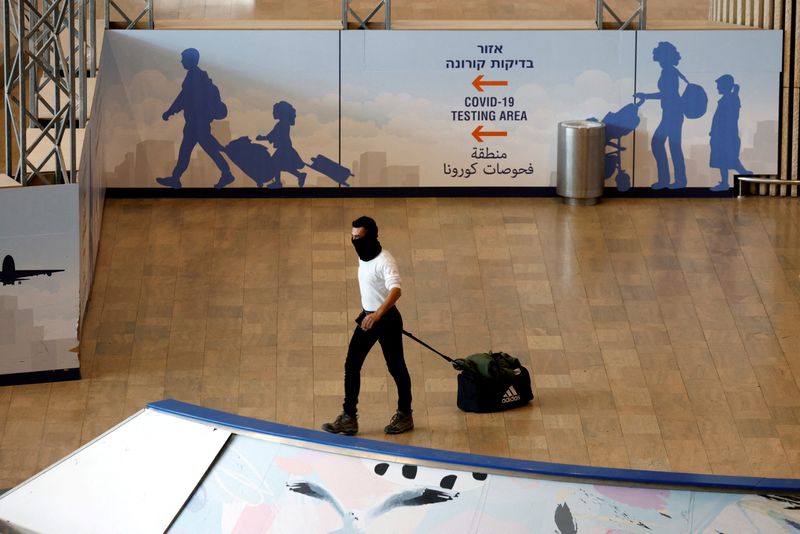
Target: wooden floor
<point>662,334</point>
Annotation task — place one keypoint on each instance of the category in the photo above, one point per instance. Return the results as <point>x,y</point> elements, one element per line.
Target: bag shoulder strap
<point>412,336</point>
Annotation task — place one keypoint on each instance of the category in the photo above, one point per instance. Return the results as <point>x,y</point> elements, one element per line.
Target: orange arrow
<point>478,82</point>
<point>479,134</point>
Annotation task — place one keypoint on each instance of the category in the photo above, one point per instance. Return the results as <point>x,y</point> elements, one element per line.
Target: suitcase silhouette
<point>254,159</point>
<point>331,169</point>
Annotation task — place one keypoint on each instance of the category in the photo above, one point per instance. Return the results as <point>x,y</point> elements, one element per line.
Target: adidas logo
<point>510,395</point>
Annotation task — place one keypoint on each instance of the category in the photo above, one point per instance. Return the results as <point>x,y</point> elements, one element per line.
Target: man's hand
<point>369,321</point>
<point>166,116</point>
<point>371,318</point>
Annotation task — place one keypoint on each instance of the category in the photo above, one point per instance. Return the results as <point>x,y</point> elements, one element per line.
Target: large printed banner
<point>473,108</point>
<point>258,486</point>
<point>220,109</point>
<point>39,279</point>
<point>481,108</point>
<point>708,107</point>
<point>280,109</point>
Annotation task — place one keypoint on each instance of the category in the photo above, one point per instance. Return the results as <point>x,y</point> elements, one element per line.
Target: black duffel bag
<point>501,388</point>
<point>489,381</point>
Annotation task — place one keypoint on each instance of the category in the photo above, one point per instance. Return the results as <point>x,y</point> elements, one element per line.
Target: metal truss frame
<point>640,13</point>
<point>347,11</point>
<point>130,23</point>
<point>43,45</point>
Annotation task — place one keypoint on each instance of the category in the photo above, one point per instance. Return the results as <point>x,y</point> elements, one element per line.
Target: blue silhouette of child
<point>285,158</point>
<point>724,135</point>
<point>199,100</point>
<point>670,128</point>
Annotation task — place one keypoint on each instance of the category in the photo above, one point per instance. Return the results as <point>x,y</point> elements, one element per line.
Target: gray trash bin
<point>581,166</point>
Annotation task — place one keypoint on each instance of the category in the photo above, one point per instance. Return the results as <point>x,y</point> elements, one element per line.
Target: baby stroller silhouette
<point>618,125</point>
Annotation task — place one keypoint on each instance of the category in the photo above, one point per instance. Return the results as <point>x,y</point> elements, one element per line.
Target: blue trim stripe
<point>476,462</point>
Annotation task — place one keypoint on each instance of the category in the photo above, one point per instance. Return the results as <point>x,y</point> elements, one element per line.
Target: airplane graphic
<point>10,274</point>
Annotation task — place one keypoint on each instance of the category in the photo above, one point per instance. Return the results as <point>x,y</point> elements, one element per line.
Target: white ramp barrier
<point>131,479</point>
<point>187,469</point>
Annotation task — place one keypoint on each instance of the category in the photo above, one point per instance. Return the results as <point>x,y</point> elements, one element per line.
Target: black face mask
<point>367,247</point>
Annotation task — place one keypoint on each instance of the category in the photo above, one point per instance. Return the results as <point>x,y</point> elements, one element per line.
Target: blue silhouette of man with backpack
<point>201,104</point>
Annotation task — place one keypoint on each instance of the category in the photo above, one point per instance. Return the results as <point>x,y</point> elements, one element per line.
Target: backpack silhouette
<point>216,107</point>
<point>694,99</point>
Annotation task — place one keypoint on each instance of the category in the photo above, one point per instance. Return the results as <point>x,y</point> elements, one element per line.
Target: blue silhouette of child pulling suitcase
<point>285,158</point>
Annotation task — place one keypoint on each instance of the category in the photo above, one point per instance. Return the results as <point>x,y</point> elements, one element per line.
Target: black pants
<point>389,333</point>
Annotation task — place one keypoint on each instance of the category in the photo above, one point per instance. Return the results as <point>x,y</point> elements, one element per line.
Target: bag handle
<point>412,336</point>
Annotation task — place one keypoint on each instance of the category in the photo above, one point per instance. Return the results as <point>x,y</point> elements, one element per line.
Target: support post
<point>639,15</point>
<point>362,23</point>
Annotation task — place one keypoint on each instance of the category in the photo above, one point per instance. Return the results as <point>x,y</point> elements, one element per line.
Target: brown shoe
<point>344,424</point>
<point>401,422</point>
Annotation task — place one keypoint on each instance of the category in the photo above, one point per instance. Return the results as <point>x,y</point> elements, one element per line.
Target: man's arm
<point>176,106</point>
<point>372,318</point>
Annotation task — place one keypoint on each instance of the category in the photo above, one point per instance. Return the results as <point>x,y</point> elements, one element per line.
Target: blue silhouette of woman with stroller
<point>724,135</point>
<point>670,128</point>
<point>285,158</point>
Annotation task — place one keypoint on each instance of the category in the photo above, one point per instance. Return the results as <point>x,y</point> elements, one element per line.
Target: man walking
<point>201,105</point>
<point>379,283</point>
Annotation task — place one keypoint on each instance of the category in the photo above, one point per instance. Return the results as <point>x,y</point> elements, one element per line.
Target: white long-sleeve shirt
<point>376,278</point>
